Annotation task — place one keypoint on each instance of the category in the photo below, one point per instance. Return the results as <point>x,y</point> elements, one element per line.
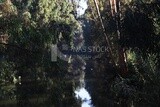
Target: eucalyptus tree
<point>138,25</point>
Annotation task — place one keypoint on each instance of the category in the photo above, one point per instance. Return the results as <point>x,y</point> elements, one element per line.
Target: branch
<point>104,32</point>
<point>107,39</point>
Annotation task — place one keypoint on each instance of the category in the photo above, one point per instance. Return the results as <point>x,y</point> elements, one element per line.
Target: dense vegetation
<point>127,74</point>
<point>137,23</point>
<point>32,26</point>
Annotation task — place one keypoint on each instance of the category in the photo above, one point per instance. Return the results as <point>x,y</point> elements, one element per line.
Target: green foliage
<point>33,26</point>
<point>6,72</point>
<point>139,29</point>
<point>139,33</point>
<point>7,86</point>
<point>36,25</point>
<point>1,1</point>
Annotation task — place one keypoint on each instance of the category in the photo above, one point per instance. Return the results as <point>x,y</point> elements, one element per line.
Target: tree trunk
<point>107,40</point>
<point>104,32</point>
<point>121,53</point>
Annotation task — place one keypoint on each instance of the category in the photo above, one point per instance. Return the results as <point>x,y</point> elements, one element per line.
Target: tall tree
<point>115,10</point>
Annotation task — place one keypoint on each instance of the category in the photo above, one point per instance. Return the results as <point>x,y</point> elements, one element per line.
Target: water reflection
<point>84,96</point>
<point>81,93</point>
<point>50,88</point>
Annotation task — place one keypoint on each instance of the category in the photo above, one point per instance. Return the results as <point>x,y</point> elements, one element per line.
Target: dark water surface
<point>67,91</point>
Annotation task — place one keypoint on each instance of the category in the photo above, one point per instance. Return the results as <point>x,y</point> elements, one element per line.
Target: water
<point>81,7</point>
<point>84,96</point>
<point>55,90</point>
<point>82,93</point>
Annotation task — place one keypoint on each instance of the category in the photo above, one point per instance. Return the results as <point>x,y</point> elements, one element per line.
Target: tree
<point>138,26</point>
<point>32,26</point>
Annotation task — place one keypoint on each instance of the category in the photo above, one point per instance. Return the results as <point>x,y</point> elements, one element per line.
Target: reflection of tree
<point>77,65</point>
<point>32,26</point>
